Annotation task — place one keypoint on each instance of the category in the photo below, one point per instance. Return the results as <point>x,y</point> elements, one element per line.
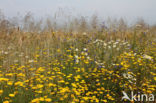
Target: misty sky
<point>128,9</point>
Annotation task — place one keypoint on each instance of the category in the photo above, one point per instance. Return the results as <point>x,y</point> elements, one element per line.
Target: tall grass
<point>83,61</point>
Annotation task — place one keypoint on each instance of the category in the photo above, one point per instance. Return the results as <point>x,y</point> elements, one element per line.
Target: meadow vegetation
<point>83,61</point>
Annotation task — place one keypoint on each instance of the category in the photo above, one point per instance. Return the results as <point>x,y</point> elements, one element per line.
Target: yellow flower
<point>58,50</point>
<point>35,100</point>
<point>6,102</point>
<point>48,100</point>
<point>10,83</point>
<point>39,86</point>
<point>4,79</point>
<point>104,101</point>
<point>97,101</point>
<point>41,69</point>
<point>73,84</point>
<point>9,74</point>
<point>11,95</point>
<point>19,83</point>
<point>85,98</point>
<point>1,91</point>
<point>41,99</point>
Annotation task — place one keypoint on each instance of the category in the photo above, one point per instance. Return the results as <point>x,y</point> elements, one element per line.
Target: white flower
<point>88,58</point>
<point>84,49</point>
<point>114,46</point>
<point>15,61</point>
<point>98,63</point>
<point>26,56</point>
<point>128,45</point>
<point>86,54</point>
<point>135,54</point>
<point>76,49</point>
<point>77,61</point>
<point>109,47</point>
<point>84,33</point>
<point>117,49</point>
<point>129,77</point>
<point>5,52</point>
<point>98,43</point>
<point>113,64</point>
<point>147,57</point>
<point>31,61</point>
<point>76,56</point>
<point>116,42</point>
<point>103,66</point>
<point>95,41</point>
<point>104,44</point>
<point>110,42</point>
<point>125,75</point>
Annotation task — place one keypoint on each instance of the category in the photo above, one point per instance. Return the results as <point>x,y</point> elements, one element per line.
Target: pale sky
<point>128,9</point>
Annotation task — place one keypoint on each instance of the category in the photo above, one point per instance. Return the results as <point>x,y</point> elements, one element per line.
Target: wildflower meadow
<point>85,65</point>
